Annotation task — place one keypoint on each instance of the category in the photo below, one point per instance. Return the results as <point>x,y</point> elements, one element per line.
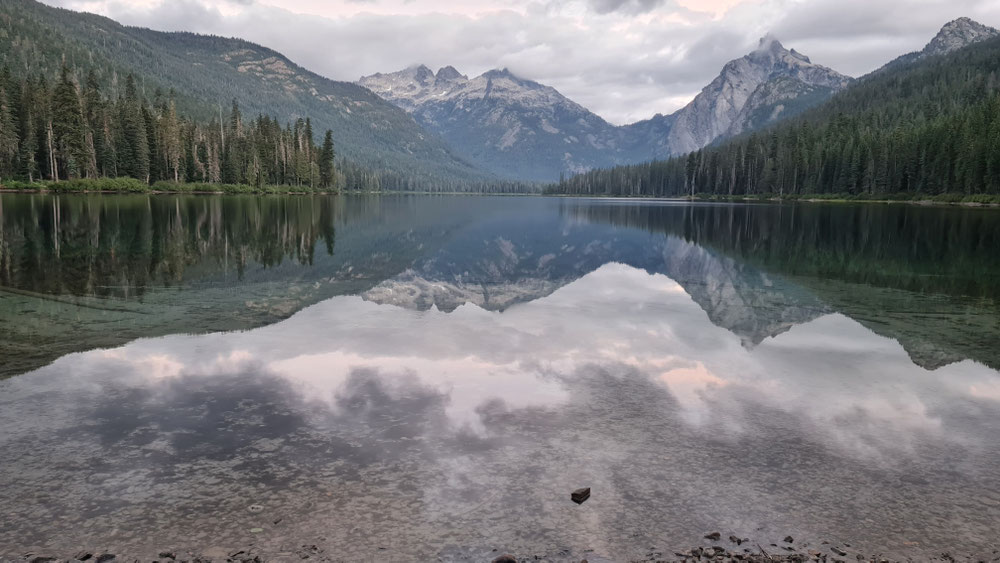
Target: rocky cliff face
<point>513,127</point>
<point>768,84</point>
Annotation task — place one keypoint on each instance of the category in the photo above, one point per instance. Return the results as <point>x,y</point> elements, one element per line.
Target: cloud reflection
<point>461,421</point>
<point>529,356</point>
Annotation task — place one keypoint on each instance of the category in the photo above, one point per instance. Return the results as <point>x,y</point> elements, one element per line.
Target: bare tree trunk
<point>52,156</point>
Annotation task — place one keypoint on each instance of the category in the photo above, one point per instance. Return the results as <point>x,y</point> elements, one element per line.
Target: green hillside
<point>208,73</point>
<point>929,128</point>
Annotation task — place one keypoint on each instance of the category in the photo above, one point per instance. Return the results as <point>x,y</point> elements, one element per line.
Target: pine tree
<point>8,137</point>
<point>134,143</point>
<point>97,138</point>
<point>326,156</point>
<point>68,128</point>
<point>28,154</point>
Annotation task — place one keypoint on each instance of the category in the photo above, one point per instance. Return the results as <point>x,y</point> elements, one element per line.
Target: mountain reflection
<point>363,426</point>
<point>903,247</point>
<point>81,272</point>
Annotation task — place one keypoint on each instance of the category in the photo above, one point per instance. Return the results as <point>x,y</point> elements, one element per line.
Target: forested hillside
<point>208,73</point>
<point>64,131</point>
<point>931,127</point>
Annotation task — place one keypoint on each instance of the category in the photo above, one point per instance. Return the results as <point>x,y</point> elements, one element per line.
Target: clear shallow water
<point>432,376</point>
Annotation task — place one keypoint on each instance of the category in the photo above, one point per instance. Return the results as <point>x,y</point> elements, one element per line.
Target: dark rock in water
<point>838,551</point>
<point>735,540</point>
<point>580,495</point>
<point>83,556</point>
<point>714,536</point>
<point>789,539</point>
<point>104,558</point>
<point>168,555</point>
<point>43,560</point>
<point>505,559</point>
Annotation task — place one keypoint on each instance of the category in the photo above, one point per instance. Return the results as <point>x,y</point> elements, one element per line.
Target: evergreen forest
<point>930,129</point>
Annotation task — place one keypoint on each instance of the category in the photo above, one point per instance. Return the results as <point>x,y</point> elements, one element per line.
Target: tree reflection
<point>118,246</point>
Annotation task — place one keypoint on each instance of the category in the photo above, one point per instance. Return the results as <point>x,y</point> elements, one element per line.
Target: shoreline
<point>716,549</point>
<point>684,199</point>
<point>748,199</point>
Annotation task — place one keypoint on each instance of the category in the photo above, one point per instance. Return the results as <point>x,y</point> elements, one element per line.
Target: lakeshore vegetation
<point>72,137</point>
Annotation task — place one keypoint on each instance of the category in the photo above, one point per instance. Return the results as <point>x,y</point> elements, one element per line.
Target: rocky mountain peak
<point>503,122</point>
<point>423,75</point>
<point>450,73</point>
<point>500,73</point>
<point>768,80</point>
<point>770,43</point>
<point>800,56</point>
<point>957,34</point>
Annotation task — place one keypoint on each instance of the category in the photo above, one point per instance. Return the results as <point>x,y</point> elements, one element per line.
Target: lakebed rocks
<point>736,550</point>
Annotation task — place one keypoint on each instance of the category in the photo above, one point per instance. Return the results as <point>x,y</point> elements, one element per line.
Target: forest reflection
<point>906,247</point>
<point>119,246</point>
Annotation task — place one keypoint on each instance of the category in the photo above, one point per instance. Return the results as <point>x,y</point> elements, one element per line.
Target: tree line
<point>928,128</point>
<point>68,130</point>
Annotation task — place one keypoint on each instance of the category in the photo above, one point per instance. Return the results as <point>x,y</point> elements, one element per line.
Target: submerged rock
<point>580,495</point>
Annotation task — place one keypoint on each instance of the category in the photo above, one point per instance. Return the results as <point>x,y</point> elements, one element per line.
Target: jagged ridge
<point>520,128</point>
<point>506,124</point>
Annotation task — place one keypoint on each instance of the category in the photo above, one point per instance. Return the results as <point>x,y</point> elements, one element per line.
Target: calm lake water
<point>392,378</point>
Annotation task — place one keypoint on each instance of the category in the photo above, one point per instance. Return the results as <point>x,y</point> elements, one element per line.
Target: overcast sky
<point>624,59</point>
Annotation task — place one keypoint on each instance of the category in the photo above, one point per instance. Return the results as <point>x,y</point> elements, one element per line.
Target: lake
<point>392,378</point>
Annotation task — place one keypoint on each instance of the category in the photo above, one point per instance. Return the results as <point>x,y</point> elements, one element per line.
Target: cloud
<point>623,59</point>
<point>626,6</point>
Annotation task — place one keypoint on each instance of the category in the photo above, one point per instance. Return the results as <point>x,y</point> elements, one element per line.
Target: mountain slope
<point>208,72</point>
<point>954,35</point>
<point>928,128</point>
<point>768,84</point>
<point>522,129</point>
<point>511,126</point>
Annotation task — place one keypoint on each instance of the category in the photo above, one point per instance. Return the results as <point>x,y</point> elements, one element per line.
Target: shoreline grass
<point>985,200</point>
<point>133,186</point>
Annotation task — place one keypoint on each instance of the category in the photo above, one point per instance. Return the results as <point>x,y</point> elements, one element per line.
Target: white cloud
<point>624,59</point>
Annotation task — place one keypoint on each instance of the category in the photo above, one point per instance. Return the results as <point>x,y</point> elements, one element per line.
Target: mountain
<point>208,72</point>
<point>954,35</point>
<point>508,125</point>
<point>766,85</point>
<point>919,130</point>
<point>521,129</point>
